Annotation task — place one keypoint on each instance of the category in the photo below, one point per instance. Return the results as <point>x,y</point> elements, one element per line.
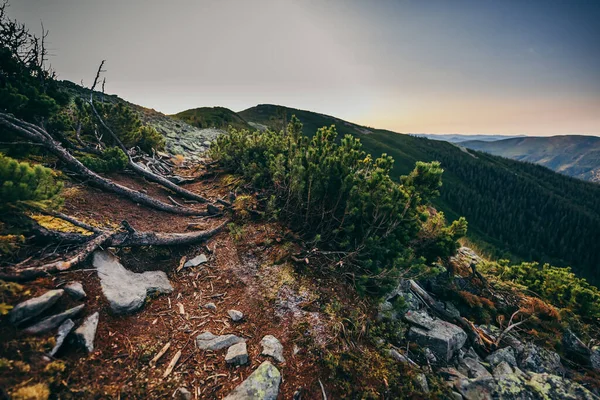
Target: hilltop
<point>572,155</point>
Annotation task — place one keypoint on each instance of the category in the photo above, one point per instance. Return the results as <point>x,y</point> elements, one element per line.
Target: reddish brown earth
<point>244,272</point>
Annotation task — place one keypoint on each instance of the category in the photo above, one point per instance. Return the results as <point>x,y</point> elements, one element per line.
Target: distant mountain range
<point>458,138</point>
<point>576,156</point>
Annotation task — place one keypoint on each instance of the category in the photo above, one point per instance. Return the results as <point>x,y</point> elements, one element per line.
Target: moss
<point>39,391</point>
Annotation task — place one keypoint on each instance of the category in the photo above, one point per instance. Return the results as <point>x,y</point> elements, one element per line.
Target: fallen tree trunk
<point>127,238</point>
<point>39,135</point>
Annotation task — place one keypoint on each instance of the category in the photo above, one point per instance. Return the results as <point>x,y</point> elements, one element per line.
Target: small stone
<point>208,341</point>
<point>211,306</point>
<point>235,315</point>
<point>237,354</point>
<point>262,384</point>
<point>502,369</point>
<point>194,262</point>
<point>182,394</point>
<point>33,307</point>
<point>63,331</point>
<point>85,334</point>
<point>52,322</point>
<point>421,381</point>
<point>272,347</point>
<point>75,290</point>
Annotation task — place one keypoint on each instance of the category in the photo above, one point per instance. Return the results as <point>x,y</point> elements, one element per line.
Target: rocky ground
<point>241,317</point>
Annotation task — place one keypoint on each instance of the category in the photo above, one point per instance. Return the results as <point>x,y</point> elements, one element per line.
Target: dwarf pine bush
<point>336,194</point>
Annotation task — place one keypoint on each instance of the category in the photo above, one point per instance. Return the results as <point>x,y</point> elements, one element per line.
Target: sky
<point>419,66</point>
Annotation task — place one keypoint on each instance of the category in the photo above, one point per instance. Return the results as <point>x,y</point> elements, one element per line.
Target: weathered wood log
<point>39,135</point>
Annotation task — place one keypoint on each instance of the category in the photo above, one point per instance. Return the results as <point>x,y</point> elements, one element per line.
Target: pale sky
<point>431,66</point>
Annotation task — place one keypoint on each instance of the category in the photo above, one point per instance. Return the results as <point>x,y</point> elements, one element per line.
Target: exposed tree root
<point>119,238</point>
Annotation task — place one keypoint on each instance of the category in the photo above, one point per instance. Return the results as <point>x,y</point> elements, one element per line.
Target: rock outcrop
<point>126,291</point>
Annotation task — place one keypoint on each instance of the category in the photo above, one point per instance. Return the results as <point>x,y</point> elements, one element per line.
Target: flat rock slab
<point>194,262</point>
<point>63,331</point>
<point>126,291</point>
<point>237,354</point>
<point>272,348</point>
<point>262,384</point>
<point>33,307</point>
<point>208,341</point>
<point>86,333</point>
<point>54,321</point>
<point>75,290</point>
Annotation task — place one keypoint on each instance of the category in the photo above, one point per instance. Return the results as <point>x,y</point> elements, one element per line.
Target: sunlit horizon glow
<point>464,67</point>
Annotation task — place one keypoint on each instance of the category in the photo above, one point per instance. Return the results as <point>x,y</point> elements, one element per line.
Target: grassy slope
<point>212,117</point>
<point>500,198</point>
<point>577,156</point>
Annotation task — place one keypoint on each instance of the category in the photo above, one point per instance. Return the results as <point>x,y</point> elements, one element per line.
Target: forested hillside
<point>573,155</point>
<point>212,117</point>
<point>519,209</point>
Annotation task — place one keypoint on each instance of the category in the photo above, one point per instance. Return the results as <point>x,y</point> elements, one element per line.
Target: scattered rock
<point>75,290</point>
<point>575,349</point>
<point>595,358</point>
<point>421,381</point>
<point>235,315</point>
<point>63,331</point>
<point>537,359</point>
<point>523,387</point>
<point>473,368</point>
<point>194,262</point>
<point>506,354</point>
<point>85,334</point>
<point>272,347</point>
<point>33,307</point>
<point>211,306</point>
<point>126,291</point>
<point>441,337</point>
<point>237,354</point>
<point>182,394</point>
<point>52,322</point>
<point>262,384</point>
<point>502,369</point>
<point>208,341</point>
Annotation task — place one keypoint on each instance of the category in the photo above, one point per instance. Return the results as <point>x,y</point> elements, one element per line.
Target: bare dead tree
<point>139,169</point>
<point>39,135</point>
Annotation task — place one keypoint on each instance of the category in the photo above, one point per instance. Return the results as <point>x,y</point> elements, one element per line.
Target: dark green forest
<point>515,210</point>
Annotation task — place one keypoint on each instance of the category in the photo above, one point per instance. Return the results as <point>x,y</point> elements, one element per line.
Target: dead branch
<point>39,135</point>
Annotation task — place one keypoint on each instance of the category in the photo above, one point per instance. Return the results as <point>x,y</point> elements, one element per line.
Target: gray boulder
<point>595,358</point>
<point>31,308</point>
<point>442,338</point>
<point>86,333</point>
<point>208,341</point>
<point>540,360</point>
<point>502,369</point>
<point>63,331</point>
<point>126,291</point>
<point>54,321</point>
<point>235,315</point>
<point>272,348</point>
<point>75,290</point>
<point>262,384</point>
<point>194,262</point>
<point>473,368</point>
<point>506,354</point>
<point>237,354</point>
